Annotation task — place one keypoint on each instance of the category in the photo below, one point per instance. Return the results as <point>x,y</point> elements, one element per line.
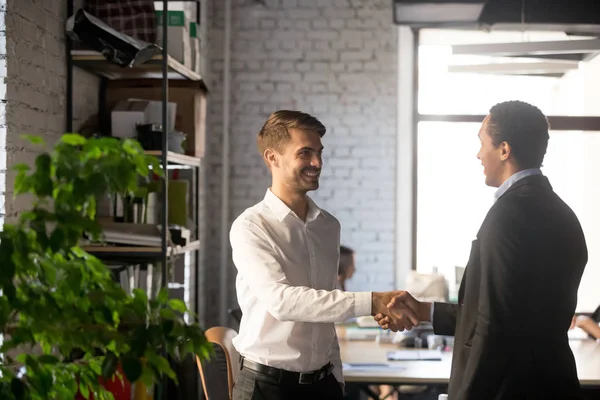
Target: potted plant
<point>66,324</point>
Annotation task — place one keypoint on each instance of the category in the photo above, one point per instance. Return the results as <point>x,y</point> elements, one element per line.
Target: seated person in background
<point>591,325</point>
<point>346,267</point>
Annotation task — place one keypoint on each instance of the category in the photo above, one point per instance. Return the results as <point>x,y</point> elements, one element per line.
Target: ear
<point>505,151</point>
<point>271,158</point>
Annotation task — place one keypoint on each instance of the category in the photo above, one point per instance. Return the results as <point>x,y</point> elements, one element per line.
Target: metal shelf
<point>130,253</point>
<point>95,63</point>
<point>176,158</point>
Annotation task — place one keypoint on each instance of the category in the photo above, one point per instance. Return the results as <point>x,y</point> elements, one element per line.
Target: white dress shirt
<point>287,272</point>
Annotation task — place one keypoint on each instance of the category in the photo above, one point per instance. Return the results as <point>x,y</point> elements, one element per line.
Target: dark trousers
<point>251,385</point>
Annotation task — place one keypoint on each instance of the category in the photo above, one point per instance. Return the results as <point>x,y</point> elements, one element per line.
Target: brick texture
<point>36,84</point>
<point>2,110</point>
<point>335,59</point>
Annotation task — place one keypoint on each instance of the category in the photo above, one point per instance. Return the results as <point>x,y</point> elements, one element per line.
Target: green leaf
<point>132,367</point>
<point>18,388</point>
<point>163,295</point>
<point>32,363</point>
<point>161,364</point>
<point>140,300</point>
<point>177,305</point>
<point>112,346</point>
<point>166,313</point>
<point>48,359</point>
<point>203,351</point>
<point>73,139</point>
<point>75,279</point>
<point>109,365</point>
<point>43,183</point>
<point>21,167</point>
<point>7,271</point>
<point>147,376</point>
<point>167,327</point>
<point>96,366</point>
<point>84,390</point>
<point>33,139</point>
<point>57,239</point>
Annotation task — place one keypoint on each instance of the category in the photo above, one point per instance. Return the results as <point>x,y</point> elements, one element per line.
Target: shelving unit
<point>164,68</point>
<point>130,253</point>
<point>176,158</point>
<point>95,63</point>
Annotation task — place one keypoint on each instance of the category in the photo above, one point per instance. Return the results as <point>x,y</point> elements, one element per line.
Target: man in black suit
<point>521,279</point>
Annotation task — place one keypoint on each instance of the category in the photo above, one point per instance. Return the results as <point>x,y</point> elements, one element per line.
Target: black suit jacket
<point>516,300</point>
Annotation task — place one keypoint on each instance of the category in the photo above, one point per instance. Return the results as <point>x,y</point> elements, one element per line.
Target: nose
<point>316,161</point>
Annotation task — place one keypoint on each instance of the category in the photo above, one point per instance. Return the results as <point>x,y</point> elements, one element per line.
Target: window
<point>442,91</point>
<point>452,199</point>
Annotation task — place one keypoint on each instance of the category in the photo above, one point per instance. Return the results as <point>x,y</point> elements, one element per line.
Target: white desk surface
<point>586,352</point>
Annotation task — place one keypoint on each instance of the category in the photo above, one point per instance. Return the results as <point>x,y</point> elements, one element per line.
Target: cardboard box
<point>125,116</point>
<point>189,96</point>
<point>155,113</point>
<point>178,36</point>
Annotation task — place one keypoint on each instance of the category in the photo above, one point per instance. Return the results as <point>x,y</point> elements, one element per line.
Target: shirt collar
<point>514,179</point>
<point>281,210</point>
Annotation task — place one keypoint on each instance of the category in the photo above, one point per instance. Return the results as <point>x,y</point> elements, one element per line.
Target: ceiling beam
<point>529,48</point>
<point>516,68</point>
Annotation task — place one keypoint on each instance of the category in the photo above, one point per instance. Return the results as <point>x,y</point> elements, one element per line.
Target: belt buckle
<point>305,379</point>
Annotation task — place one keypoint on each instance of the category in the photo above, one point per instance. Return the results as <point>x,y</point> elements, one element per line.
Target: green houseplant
<point>66,324</point>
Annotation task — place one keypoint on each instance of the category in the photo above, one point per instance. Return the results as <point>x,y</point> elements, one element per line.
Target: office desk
<point>586,352</point>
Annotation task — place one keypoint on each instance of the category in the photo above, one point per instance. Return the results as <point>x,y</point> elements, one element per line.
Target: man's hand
<point>401,317</point>
<point>402,304</point>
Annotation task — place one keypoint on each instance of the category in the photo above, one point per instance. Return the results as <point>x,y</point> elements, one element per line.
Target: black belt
<point>283,376</point>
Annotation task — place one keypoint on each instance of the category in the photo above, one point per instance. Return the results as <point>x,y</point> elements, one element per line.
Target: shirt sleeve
<point>259,264</point>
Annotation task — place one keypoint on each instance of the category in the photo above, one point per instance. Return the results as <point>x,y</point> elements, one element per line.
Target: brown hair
<point>275,131</point>
<point>345,263</point>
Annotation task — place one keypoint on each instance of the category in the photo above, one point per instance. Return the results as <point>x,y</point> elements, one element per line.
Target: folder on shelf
<point>131,233</point>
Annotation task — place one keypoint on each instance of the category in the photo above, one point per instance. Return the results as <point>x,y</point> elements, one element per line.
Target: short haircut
<point>275,132</point>
<point>346,254</point>
<point>524,127</point>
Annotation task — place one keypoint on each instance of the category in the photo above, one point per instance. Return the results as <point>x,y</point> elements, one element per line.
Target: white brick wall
<point>36,82</point>
<point>335,59</point>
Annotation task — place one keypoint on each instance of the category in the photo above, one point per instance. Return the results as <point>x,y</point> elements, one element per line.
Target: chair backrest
<point>218,374</point>
<point>236,313</point>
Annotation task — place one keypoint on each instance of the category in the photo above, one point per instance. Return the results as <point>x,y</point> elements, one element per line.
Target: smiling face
<point>297,164</point>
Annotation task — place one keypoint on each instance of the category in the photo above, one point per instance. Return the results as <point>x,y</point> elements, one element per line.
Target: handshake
<point>398,310</point>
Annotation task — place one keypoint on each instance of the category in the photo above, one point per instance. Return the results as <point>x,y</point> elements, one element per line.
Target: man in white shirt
<point>286,251</point>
